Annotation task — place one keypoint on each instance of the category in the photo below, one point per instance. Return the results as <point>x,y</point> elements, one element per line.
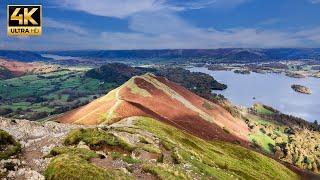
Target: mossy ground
<point>8,145</point>
<point>95,138</point>
<point>83,153</point>
<point>72,163</point>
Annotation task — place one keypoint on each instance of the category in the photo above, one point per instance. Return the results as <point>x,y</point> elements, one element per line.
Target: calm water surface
<point>270,89</point>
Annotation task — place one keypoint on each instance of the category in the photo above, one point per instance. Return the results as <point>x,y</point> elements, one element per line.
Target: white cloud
<point>51,23</point>
<point>314,1</point>
<point>179,32</point>
<point>112,8</point>
<point>192,38</point>
<point>310,34</point>
<point>154,24</point>
<point>191,4</point>
<point>126,8</point>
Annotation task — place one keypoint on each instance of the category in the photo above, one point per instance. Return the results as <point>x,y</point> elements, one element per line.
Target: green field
<point>51,93</point>
<point>262,110</point>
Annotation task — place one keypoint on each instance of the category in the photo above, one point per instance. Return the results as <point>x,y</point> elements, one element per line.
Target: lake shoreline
<point>272,89</point>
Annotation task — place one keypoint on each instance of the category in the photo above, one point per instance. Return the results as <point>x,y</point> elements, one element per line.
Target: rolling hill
<point>158,98</point>
<point>10,69</point>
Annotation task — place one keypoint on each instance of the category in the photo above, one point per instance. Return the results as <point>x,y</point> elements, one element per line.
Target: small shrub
<point>8,145</point>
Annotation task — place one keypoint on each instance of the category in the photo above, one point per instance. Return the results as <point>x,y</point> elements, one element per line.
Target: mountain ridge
<point>156,97</point>
<point>240,54</point>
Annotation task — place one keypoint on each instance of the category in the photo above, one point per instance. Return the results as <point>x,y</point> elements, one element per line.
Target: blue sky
<point>162,24</point>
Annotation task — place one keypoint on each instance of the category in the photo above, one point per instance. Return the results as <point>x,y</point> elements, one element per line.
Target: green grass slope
<point>217,159</point>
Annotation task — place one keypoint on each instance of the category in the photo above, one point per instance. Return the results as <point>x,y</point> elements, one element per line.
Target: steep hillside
<point>157,97</point>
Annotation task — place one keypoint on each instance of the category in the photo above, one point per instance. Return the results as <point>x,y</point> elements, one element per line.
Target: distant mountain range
<point>224,55</point>
<point>216,54</point>
<point>23,56</point>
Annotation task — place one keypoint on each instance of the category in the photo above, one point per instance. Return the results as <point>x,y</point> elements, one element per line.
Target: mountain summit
<point>161,99</point>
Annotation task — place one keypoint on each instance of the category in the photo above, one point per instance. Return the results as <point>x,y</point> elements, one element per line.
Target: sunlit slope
<point>166,101</point>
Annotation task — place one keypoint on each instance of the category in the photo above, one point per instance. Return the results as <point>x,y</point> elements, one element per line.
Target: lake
<point>270,89</point>
<point>57,57</point>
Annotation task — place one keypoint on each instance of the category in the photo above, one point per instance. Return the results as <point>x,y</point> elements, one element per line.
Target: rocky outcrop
<point>36,140</point>
<point>301,89</point>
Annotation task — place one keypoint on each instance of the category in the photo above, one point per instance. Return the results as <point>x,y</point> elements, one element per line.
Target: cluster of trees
<point>28,113</point>
<point>114,72</point>
<point>200,83</point>
<point>294,140</point>
<point>69,106</point>
<point>242,71</point>
<point>288,120</point>
<point>302,149</point>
